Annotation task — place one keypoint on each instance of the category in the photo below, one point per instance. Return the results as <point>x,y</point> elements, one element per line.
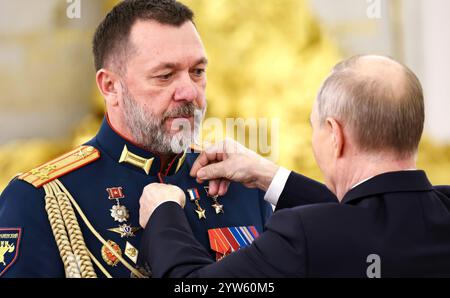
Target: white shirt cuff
<point>276,186</point>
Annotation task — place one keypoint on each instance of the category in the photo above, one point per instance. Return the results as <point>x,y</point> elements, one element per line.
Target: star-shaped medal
<point>218,207</point>
<point>201,213</point>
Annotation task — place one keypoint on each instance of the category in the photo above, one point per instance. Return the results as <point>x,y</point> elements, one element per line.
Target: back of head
<point>111,40</point>
<point>379,101</point>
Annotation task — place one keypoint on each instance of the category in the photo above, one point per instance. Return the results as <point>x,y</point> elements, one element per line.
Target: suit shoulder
<point>21,203</point>
<point>322,213</point>
<point>19,188</point>
<point>444,189</point>
<point>60,166</point>
<point>328,211</point>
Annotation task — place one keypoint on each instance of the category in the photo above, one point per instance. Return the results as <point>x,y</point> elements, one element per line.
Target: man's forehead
<point>154,36</point>
<point>156,43</point>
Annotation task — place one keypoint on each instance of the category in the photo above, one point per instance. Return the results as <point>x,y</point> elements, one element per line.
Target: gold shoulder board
<point>60,166</point>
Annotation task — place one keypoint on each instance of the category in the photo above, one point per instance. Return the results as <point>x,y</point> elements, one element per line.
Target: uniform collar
<point>132,156</point>
<point>403,181</point>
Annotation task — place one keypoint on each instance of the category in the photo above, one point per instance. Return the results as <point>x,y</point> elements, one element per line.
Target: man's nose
<point>186,90</point>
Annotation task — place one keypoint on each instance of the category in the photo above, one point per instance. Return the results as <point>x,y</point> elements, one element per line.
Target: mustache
<point>186,110</point>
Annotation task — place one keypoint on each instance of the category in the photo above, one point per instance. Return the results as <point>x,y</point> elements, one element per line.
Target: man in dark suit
<point>382,218</point>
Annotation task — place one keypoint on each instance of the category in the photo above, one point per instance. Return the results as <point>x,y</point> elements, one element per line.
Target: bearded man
<point>78,215</point>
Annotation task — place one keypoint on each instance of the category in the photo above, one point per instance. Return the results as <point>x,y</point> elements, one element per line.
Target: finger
<point>200,162</point>
<point>223,187</point>
<point>213,171</point>
<point>213,187</point>
<point>211,154</point>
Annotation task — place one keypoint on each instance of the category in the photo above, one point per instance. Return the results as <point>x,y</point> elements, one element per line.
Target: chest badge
<point>9,247</point>
<point>108,256</point>
<point>125,230</point>
<point>118,212</point>
<point>115,193</point>
<point>131,252</point>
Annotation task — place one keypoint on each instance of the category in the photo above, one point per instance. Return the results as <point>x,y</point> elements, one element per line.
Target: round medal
<point>108,256</point>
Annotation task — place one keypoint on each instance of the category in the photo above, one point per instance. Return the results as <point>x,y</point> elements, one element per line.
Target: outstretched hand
<point>228,161</point>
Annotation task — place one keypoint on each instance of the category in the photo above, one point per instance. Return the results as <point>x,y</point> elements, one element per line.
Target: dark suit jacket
<point>399,217</point>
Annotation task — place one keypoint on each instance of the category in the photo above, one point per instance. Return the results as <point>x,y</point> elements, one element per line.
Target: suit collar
<point>121,150</point>
<point>403,181</point>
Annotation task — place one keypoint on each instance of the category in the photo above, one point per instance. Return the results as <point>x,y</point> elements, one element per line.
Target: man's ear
<point>109,85</point>
<point>337,136</point>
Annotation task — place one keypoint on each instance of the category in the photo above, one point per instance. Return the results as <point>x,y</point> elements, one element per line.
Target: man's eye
<point>165,77</point>
<point>198,72</point>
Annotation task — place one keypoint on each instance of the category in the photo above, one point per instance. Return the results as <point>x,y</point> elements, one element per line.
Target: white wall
<point>415,32</point>
<point>436,65</point>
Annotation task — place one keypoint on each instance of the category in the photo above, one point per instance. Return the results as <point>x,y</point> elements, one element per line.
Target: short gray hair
<point>377,116</point>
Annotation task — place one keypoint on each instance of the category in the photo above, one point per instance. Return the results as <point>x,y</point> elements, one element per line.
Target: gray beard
<point>150,133</point>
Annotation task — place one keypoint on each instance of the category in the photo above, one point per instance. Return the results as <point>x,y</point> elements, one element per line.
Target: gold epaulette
<point>60,166</point>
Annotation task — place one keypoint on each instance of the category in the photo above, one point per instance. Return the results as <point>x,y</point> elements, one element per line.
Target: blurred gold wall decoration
<point>267,60</point>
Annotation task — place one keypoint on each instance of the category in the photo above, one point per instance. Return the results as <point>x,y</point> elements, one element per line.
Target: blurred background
<point>267,59</point>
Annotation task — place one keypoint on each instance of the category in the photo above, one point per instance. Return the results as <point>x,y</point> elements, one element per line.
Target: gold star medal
<point>195,197</point>
<point>200,213</point>
<point>217,206</point>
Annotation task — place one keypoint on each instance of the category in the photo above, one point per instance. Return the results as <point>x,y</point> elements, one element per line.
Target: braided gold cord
<point>74,232</point>
<point>99,265</point>
<point>60,233</point>
<point>96,234</point>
